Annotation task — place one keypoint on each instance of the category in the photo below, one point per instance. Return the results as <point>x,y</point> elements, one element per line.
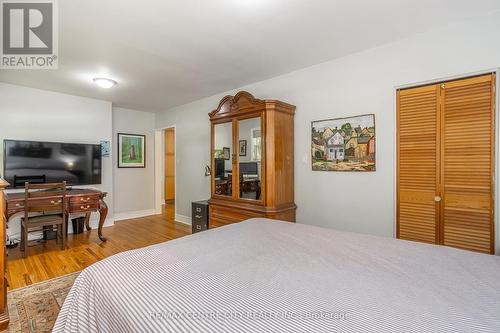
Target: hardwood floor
<point>46,260</point>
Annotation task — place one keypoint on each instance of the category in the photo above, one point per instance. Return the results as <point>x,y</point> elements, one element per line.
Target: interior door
<point>468,163</point>
<point>445,170</point>
<point>169,165</point>
<point>418,164</point>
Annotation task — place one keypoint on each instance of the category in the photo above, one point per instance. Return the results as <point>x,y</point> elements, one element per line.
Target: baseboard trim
<point>94,222</point>
<point>183,219</point>
<point>134,214</point>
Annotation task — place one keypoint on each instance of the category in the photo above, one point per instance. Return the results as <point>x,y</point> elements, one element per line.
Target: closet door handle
<point>437,198</point>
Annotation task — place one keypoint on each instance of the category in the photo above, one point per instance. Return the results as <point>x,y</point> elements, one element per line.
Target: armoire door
<point>446,163</point>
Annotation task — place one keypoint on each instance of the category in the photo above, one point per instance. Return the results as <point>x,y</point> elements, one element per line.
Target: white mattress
<point>270,276</point>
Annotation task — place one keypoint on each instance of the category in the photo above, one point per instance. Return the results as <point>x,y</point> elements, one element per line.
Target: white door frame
<point>160,167</point>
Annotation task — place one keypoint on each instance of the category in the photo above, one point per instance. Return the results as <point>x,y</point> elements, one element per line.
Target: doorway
<point>169,167</point>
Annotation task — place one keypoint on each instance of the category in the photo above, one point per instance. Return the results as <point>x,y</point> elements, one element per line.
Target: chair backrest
<point>45,198</point>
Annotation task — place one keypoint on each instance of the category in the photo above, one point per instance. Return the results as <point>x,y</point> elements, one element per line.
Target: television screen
<point>219,168</point>
<point>249,168</point>
<point>50,162</point>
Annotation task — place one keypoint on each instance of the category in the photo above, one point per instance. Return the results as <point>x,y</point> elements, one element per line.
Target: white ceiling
<point>165,53</point>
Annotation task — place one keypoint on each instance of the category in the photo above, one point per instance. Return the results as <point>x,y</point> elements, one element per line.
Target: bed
<point>270,276</point>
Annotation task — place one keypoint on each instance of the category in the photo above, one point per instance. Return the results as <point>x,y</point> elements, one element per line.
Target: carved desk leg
<point>103,211</point>
<point>87,221</point>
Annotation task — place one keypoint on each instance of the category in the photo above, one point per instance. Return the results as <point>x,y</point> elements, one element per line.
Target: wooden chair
<point>49,200</point>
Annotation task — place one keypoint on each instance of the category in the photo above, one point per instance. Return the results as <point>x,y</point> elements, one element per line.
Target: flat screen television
<point>50,162</point>
<point>219,168</point>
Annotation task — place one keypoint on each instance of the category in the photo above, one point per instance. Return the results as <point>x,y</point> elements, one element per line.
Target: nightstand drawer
<point>199,227</point>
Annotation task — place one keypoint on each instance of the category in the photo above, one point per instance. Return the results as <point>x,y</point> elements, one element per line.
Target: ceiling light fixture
<point>104,82</point>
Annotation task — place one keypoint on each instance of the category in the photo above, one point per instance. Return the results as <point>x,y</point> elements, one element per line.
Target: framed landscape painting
<point>343,144</point>
<point>131,150</point>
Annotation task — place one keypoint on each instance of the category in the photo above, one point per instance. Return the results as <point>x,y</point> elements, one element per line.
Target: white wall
<point>134,188</point>
<point>223,138</point>
<point>33,114</point>
<point>192,134</point>
<point>245,133</point>
<point>358,84</point>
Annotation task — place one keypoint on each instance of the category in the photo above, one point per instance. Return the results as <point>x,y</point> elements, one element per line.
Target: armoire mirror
<point>249,158</point>
<point>222,165</point>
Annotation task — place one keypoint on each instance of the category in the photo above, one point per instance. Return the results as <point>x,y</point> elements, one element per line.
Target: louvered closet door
<point>468,163</point>
<point>418,177</point>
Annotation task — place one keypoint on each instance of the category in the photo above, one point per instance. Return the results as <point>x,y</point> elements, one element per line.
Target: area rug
<point>34,308</point>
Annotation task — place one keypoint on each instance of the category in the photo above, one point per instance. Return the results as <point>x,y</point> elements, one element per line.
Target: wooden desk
<point>224,187</point>
<point>79,201</point>
<point>250,185</point>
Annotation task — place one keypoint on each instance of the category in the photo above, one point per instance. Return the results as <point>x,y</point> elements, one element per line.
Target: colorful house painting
<point>344,144</point>
<point>335,147</point>
<point>318,148</point>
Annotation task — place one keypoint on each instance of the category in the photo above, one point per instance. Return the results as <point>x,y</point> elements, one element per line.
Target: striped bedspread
<point>269,276</point>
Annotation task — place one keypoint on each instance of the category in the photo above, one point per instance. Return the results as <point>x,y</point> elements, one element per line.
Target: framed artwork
<point>218,153</point>
<point>131,150</point>
<point>226,152</point>
<point>243,147</point>
<point>105,148</point>
<point>343,144</point>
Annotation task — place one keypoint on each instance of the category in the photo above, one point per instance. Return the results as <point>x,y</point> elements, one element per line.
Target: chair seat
<point>42,220</point>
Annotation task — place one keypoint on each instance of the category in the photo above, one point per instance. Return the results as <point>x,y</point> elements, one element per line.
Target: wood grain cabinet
<point>446,145</point>
<point>252,160</point>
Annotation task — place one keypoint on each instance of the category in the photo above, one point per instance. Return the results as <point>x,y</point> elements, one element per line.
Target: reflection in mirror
<point>223,138</point>
<point>250,151</point>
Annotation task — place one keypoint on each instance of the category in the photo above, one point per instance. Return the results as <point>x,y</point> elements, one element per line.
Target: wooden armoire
<point>445,168</point>
<point>251,160</point>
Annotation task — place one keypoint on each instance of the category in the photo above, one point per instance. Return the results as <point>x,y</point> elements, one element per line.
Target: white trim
<point>496,186</point>
<point>94,222</point>
<point>183,219</point>
<point>251,144</point>
<point>446,78</point>
<point>160,170</point>
<point>496,222</point>
<point>134,214</point>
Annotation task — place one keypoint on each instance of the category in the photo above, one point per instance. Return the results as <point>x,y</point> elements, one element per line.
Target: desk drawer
<point>83,204</point>
<point>15,206</point>
<point>44,204</point>
<point>85,199</point>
